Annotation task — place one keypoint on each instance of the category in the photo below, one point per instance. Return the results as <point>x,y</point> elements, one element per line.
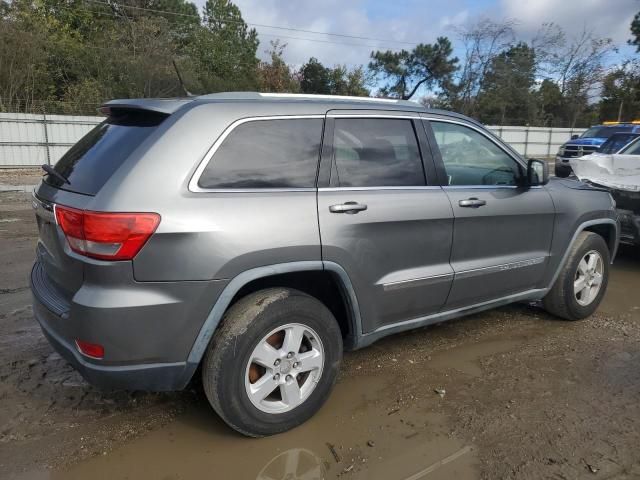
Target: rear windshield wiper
<point>52,171</point>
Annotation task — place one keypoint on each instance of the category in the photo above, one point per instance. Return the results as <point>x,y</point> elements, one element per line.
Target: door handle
<point>348,207</point>
<point>472,203</point>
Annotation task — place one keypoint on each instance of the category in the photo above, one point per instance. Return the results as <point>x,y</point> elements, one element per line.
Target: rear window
<point>91,162</point>
<point>279,153</point>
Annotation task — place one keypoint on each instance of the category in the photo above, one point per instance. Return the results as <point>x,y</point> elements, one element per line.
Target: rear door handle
<point>472,203</point>
<point>348,207</point>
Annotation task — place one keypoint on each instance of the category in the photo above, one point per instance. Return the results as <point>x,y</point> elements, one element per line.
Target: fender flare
<point>233,287</point>
<point>581,228</point>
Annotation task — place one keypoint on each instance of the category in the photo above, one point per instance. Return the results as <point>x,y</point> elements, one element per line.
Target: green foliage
<point>506,95</point>
<point>316,78</point>
<point>403,72</point>
<point>276,76</point>
<point>75,54</point>
<point>621,94</point>
<point>223,49</point>
<point>635,32</point>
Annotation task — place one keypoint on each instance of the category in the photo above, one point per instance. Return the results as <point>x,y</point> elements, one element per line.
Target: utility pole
<point>620,110</point>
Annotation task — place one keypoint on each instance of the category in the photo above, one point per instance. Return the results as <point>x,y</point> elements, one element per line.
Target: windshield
<point>616,142</point>
<point>604,132</point>
<point>94,159</point>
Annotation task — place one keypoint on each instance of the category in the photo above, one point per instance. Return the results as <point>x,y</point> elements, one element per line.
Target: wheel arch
<point>608,231</point>
<point>291,275</point>
<point>605,227</point>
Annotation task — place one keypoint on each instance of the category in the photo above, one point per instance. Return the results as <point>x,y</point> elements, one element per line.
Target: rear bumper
<point>135,338</point>
<point>151,377</point>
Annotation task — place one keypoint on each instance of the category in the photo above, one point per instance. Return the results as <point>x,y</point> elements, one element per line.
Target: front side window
<point>376,152</point>
<point>278,153</point>
<point>632,149</point>
<point>470,158</point>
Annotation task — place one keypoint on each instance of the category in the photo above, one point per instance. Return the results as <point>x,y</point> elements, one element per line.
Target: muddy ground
<point>522,395</point>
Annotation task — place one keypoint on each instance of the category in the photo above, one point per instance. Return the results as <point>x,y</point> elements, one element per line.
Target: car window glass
<point>376,152</point>
<point>280,153</point>
<point>470,158</point>
<point>632,149</point>
<point>95,158</point>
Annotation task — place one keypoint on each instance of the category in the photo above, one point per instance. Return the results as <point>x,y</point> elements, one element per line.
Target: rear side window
<point>376,152</point>
<point>279,153</point>
<point>91,162</point>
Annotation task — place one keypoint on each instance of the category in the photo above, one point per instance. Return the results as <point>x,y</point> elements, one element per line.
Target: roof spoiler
<point>159,105</point>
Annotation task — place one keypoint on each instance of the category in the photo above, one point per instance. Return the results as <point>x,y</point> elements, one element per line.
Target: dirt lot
<point>522,395</point>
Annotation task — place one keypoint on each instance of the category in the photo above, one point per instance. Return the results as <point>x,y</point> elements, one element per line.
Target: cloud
<point>607,18</point>
<point>416,21</point>
<point>403,21</point>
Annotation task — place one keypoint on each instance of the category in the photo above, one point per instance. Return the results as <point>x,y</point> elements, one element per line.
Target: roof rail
<point>304,96</point>
<point>329,97</point>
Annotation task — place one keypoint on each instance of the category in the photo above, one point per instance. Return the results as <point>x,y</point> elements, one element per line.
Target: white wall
<point>535,141</point>
<point>31,140</point>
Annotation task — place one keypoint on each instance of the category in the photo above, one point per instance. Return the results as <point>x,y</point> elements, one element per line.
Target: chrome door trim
<point>373,115</point>
<point>416,282</point>
<point>489,187</point>
<point>499,268</point>
<point>356,189</point>
<point>193,182</point>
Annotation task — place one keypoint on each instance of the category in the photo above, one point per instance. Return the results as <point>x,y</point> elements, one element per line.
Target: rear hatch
<point>83,171</point>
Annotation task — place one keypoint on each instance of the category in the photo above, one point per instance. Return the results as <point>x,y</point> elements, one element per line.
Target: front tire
<point>582,283</point>
<point>273,362</point>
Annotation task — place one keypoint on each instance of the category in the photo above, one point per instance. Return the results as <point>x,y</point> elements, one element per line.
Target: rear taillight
<point>106,236</point>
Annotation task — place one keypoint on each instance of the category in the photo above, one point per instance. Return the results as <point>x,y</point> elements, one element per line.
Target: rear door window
<point>94,159</point>
<point>277,153</point>
<point>376,152</point>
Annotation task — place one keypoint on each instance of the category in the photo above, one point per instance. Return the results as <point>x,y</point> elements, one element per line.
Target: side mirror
<point>537,172</point>
<point>574,136</point>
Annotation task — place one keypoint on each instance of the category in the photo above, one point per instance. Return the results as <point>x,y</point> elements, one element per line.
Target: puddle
<point>466,358</point>
<point>354,436</point>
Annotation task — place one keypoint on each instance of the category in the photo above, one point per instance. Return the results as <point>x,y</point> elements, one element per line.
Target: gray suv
<point>252,237</point>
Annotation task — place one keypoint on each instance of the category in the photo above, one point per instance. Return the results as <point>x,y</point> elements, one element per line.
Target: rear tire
<point>263,326</point>
<point>570,297</point>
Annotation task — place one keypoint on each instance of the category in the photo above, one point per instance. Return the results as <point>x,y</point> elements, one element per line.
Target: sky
<point>389,23</point>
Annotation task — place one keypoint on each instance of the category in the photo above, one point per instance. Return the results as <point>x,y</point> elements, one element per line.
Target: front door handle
<point>348,207</point>
<point>472,203</point>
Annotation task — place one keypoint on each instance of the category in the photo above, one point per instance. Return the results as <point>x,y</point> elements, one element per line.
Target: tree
<point>620,97</point>
<point>577,66</point>
<point>635,32</point>
<point>276,76</point>
<point>482,41</point>
<point>315,77</point>
<point>506,95</point>
<point>223,49</point>
<point>404,72</point>
<point>550,104</point>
